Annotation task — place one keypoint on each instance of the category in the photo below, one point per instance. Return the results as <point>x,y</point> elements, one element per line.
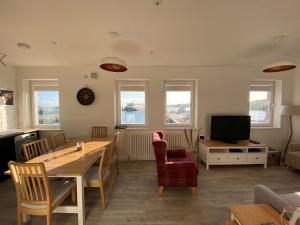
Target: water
<point>136,117</point>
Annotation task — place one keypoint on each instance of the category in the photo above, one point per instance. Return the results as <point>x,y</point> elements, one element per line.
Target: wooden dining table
<point>68,162</point>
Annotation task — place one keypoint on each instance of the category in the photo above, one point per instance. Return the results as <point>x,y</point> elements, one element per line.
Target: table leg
<point>80,200</point>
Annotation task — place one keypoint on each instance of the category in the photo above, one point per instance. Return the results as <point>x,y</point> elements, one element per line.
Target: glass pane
<point>132,107</point>
<point>47,107</point>
<point>260,106</point>
<point>178,107</point>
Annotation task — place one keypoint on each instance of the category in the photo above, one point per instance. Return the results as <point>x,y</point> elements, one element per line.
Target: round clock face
<point>85,96</point>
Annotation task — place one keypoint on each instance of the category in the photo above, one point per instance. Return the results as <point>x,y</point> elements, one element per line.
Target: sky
<point>48,98</point>
<point>132,97</point>
<point>258,95</point>
<point>178,97</point>
<point>173,97</point>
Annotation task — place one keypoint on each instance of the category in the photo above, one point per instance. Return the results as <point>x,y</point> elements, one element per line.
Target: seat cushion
<point>58,188</point>
<point>292,199</point>
<point>92,177</point>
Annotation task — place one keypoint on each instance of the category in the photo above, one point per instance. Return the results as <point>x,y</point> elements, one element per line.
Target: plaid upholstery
<point>174,167</point>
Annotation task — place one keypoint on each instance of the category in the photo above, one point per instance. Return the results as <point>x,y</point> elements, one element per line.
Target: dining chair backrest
<point>99,132</point>
<point>35,148</point>
<point>105,160</point>
<point>58,139</point>
<point>31,183</point>
<point>115,143</point>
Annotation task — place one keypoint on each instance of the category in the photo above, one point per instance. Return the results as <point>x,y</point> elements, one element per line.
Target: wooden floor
<point>135,202</point>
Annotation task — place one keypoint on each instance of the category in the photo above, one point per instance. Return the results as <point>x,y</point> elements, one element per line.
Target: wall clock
<point>85,96</point>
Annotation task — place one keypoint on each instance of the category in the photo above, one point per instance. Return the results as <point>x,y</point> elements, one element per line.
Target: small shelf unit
<point>241,153</point>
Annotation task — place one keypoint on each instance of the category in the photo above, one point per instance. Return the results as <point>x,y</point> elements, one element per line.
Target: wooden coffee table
<point>255,214</point>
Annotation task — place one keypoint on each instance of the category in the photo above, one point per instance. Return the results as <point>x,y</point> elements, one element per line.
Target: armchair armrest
<point>263,194</point>
<point>180,165</point>
<point>176,153</point>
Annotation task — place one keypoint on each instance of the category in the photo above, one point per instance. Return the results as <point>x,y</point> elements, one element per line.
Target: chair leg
<point>160,190</point>
<point>49,219</point>
<point>74,196</point>
<point>102,198</point>
<point>194,191</point>
<point>117,167</point>
<point>111,182</point>
<point>20,218</point>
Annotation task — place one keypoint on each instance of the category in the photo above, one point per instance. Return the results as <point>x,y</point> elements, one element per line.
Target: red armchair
<point>174,167</point>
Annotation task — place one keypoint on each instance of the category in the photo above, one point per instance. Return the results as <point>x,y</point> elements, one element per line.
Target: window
<point>261,103</point>
<point>132,103</point>
<point>45,104</point>
<point>179,103</point>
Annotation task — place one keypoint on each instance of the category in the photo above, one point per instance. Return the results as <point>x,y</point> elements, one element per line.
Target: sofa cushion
<point>293,198</point>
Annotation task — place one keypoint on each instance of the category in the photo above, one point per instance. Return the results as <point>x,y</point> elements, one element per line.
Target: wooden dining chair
<point>99,176</point>
<point>114,167</point>
<point>35,194</point>
<point>99,132</point>
<point>58,140</point>
<point>35,148</point>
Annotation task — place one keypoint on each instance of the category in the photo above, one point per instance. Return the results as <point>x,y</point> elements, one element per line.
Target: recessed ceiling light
<point>23,45</point>
<point>157,2</point>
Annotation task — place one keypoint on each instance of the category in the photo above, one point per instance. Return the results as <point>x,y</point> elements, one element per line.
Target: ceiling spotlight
<point>23,45</point>
<point>157,2</point>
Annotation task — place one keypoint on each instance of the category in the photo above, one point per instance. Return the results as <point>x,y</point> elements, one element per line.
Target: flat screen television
<point>230,129</point>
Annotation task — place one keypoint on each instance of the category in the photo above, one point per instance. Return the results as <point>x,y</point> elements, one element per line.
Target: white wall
<point>220,90</point>
<point>8,113</point>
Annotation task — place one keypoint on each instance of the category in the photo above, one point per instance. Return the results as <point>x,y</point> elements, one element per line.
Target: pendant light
<point>281,64</point>
<point>113,63</point>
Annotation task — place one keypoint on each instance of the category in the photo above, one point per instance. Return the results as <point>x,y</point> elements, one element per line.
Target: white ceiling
<point>180,32</point>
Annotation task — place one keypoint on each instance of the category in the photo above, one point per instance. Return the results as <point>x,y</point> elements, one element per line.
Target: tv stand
<point>230,141</point>
<point>240,153</point>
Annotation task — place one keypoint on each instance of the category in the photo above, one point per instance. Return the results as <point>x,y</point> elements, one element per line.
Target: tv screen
<point>230,128</point>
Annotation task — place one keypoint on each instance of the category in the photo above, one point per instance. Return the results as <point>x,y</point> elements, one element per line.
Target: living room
<point>214,51</point>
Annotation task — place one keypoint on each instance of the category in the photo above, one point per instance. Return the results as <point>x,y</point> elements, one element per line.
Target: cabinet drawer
<point>216,158</point>
<point>237,158</point>
<point>256,158</point>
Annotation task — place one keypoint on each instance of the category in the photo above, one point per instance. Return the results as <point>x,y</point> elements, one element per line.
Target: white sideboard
<point>241,153</point>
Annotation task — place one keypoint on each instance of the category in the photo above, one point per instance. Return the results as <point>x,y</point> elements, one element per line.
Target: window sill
<point>264,128</point>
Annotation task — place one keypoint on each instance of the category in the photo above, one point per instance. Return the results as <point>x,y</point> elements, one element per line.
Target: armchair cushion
<point>182,165</point>
<point>176,153</point>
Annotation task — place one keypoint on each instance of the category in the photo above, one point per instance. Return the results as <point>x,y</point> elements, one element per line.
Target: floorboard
<point>135,202</point>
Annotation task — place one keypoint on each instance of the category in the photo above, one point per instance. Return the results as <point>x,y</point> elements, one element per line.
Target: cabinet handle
<point>237,158</point>
<point>218,158</point>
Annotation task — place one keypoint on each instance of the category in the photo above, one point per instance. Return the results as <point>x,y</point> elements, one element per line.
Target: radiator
<point>141,145</point>
<point>174,139</point>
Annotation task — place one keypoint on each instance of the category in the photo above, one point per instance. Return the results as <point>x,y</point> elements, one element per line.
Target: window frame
<point>181,85</point>
<point>132,83</point>
<point>264,86</point>
<point>43,86</point>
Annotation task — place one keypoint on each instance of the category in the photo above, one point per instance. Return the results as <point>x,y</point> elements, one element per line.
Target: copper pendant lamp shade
<point>113,63</point>
<point>279,66</point>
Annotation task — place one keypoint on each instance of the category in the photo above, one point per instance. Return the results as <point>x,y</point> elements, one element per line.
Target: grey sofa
<point>263,194</point>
